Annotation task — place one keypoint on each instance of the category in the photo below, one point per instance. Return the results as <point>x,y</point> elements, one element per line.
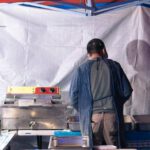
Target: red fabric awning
<point>78,2</point>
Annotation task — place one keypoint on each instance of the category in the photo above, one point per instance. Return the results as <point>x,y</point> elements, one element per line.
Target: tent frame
<point>90,8</point>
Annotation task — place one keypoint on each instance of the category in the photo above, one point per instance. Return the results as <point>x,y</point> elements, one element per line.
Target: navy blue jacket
<point>81,96</point>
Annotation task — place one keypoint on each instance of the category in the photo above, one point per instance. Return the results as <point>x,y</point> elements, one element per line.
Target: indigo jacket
<point>82,101</point>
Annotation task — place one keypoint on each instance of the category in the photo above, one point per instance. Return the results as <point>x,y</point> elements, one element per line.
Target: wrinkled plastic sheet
<point>43,48</point>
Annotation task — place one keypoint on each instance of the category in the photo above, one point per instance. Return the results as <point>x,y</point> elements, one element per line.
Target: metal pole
<point>90,5</point>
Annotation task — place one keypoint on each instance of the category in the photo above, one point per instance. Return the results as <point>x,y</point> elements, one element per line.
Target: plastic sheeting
<point>42,48</point>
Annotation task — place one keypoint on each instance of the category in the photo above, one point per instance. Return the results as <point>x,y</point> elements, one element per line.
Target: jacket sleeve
<point>124,89</point>
<point>75,89</point>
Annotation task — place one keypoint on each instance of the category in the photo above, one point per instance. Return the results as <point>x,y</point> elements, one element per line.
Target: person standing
<point>98,90</point>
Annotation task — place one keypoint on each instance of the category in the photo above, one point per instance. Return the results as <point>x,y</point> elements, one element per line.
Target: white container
<point>85,141</point>
<point>105,147</point>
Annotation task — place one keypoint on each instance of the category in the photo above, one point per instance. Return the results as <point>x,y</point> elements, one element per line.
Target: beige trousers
<point>104,128</point>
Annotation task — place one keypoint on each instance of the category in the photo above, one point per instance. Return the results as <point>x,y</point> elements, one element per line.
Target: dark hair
<point>95,45</point>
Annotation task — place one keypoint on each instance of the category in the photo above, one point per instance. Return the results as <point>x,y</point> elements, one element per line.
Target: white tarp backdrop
<point>43,47</point>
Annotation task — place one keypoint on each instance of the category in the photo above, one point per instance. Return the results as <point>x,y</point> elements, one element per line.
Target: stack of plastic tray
<point>67,139</point>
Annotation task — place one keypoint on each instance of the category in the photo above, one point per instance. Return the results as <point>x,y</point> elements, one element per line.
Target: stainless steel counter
<point>50,117</point>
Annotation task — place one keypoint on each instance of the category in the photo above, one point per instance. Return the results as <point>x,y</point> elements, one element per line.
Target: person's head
<point>96,48</point>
